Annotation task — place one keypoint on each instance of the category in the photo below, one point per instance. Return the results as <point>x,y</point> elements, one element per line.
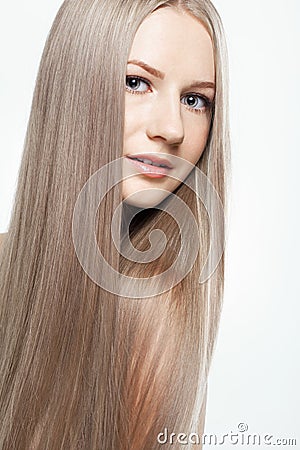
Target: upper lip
<point>153,158</point>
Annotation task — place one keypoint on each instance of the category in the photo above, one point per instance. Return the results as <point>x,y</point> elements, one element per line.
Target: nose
<point>165,121</point>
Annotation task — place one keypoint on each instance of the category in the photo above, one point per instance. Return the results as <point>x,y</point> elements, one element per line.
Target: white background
<point>255,371</point>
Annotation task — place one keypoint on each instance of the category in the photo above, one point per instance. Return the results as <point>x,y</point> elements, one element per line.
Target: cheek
<point>134,118</point>
<point>128,120</point>
<point>132,130</point>
<point>127,123</point>
<point>196,138</point>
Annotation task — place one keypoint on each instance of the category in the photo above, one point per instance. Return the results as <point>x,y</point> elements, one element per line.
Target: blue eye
<point>195,101</point>
<point>136,84</point>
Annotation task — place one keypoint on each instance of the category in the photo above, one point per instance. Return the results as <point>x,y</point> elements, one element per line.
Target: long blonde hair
<point>82,367</point>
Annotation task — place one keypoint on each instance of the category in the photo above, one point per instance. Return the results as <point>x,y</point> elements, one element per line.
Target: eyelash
<point>207,101</point>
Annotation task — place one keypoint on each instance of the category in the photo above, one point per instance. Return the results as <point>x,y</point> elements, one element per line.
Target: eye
<point>195,101</point>
<point>136,84</point>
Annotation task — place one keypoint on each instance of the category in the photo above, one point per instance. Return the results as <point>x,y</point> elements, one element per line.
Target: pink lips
<point>148,169</point>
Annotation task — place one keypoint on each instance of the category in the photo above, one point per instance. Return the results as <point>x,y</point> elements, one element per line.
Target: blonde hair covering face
<point>80,367</point>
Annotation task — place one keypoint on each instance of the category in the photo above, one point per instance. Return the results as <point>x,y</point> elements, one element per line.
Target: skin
<point>169,117</point>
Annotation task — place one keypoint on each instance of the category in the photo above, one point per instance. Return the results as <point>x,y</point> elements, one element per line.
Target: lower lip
<point>149,170</point>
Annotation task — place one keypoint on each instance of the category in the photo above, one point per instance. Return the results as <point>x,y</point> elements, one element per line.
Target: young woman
<point>84,367</point>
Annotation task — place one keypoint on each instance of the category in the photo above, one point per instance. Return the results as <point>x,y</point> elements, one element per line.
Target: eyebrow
<point>158,74</point>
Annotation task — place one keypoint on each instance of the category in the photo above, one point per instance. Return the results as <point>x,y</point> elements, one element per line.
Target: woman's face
<point>169,91</point>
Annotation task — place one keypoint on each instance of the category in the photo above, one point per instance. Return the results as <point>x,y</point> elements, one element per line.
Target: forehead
<point>170,40</point>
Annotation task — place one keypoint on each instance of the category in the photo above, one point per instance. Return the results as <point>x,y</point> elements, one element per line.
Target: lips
<point>151,159</point>
<point>149,165</point>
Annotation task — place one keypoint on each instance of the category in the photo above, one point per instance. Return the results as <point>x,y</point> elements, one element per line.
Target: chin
<point>146,199</point>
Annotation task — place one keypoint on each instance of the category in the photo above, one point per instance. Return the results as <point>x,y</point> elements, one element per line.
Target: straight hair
<point>82,367</point>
